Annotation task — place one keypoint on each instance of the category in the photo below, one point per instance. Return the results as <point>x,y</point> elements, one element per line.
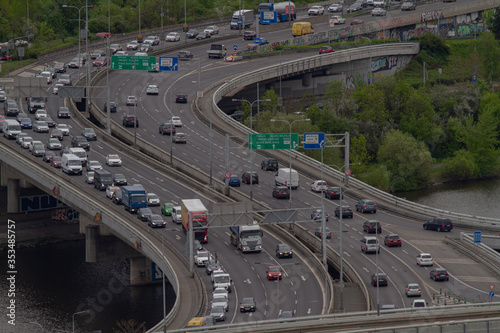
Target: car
<point>20,136</point>
<point>248,304</point>
<point>372,227</point>
<point>319,232</point>
<point>25,123</point>
<point>166,209</point>
<point>128,121</point>
<point>55,89</point>
<point>93,165</point>
<point>316,215</point>
<point>249,35</point>
<point>37,148</point>
<point>218,313</point>
<point>3,96</point>
<point>213,265</point>
<point>52,72</point>
<point>75,63</point>
<point>439,274</point>
<point>132,45</point>
<point>419,303</point>
<point>65,79</point>
<point>269,164</point>
<point>378,11</point>
<point>121,53</point>
<point>245,177</point>
<point>167,128</point>
<point>60,67</point>
<point>20,115</point>
<point>97,54</point>
<point>274,273</point>
<point>366,205</point>
<point>156,221</point>
<point>143,213</point>
<point>203,35</point>
<point>112,107</point>
<point>326,49</point>
<point>89,176</point>
<point>439,224</point>
<point>110,190</point>
<point>119,180</point>
<point>237,115</point>
<point>357,22</point>
<point>173,37</point>
<point>425,259</point>
<point>408,5</point>
<point>63,112</point>
<point>181,97</point>
<point>176,120</point>
<point>382,280</point>
<point>316,10</point>
<point>26,142</point>
<point>40,113</point>
<point>413,289</point>
<point>113,160</point>
<point>286,315</point>
<point>152,89</point>
<point>185,55</point>
<point>117,197</point>
<point>201,258</point>
<point>221,291</point>
<point>392,240</point>
<point>318,186</point>
<point>387,307</point>
<point>80,141</point>
<point>233,181</point>
<point>64,128</point>
<point>146,48</point>
<point>355,7</point>
<point>46,75</point>
<point>152,40</point>
<point>54,144</point>
<point>370,244</point>
<point>131,101</point>
<point>192,33</point>
<point>212,29</point>
<point>220,300</point>
<point>48,154</point>
<point>89,134</point>
<point>335,7</point>
<point>179,138</point>
<point>40,127</point>
<point>153,199</point>
<point>346,211</point>
<point>332,192</point>
<point>284,251</point>
<point>113,48</point>
<point>379,3</point>
<point>100,62</point>
<point>49,121</point>
<point>281,192</point>
<point>56,161</point>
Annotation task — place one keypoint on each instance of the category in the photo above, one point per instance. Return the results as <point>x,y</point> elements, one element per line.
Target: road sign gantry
<point>273,141</point>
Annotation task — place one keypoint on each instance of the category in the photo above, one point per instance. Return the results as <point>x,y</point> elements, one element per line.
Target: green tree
<point>371,104</point>
<point>359,153</point>
<point>418,116</point>
<point>459,167</point>
<point>492,19</point>
<point>335,93</point>
<point>489,53</point>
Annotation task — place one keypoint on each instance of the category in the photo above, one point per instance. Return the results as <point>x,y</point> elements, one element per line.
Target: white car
<point>425,259</point>
<point>337,19</point>
<point>26,142</point>
<point>152,89</point>
<point>220,300</point>
<point>40,127</point>
<point>378,11</point>
<point>133,45</point>
<point>110,190</point>
<point>379,3</point>
<point>113,160</point>
<point>177,121</point>
<point>93,165</point>
<point>40,113</point>
<point>176,214</point>
<point>318,186</point>
<point>153,199</point>
<point>173,37</point>
<point>121,53</point>
<point>46,75</point>
<point>55,90</point>
<point>335,8</point>
<point>220,291</point>
<point>64,128</point>
<point>201,258</point>
<point>152,40</point>
<point>131,100</point>
<point>213,30</point>
<point>316,10</point>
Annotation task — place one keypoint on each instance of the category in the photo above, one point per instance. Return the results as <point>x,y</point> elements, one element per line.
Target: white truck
<point>216,51</point>
<point>247,17</point>
<point>247,238</point>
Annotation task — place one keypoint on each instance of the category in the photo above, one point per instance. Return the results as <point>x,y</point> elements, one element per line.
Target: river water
<point>53,282</point>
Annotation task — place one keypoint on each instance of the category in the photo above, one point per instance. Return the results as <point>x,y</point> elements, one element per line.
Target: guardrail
<point>480,252</point>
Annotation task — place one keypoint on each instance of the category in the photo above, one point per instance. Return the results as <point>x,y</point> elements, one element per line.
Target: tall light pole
<point>79,20</point>
<point>290,152</point>
<point>251,136</point>
<point>370,58</point>
<point>140,18</point>
<point>78,313</point>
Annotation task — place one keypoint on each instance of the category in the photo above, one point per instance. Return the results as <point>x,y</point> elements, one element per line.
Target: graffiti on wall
<point>469,29</point>
<point>389,62</point>
<point>431,15</point>
<point>65,215</point>
<point>350,82</point>
<point>419,31</point>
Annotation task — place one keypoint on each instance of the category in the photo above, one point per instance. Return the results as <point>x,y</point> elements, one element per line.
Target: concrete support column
<point>13,192</point>
<point>140,271</point>
<point>306,79</point>
<point>91,242</point>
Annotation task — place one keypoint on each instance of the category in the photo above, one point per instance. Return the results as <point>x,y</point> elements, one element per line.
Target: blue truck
<point>134,197</point>
<point>276,12</point>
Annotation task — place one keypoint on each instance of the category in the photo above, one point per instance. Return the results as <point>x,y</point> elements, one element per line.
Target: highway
<point>300,290</point>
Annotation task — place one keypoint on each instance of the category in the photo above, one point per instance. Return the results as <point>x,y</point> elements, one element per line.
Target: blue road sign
<point>314,140</point>
<point>477,237</point>
<point>268,17</point>
<point>235,47</point>
<point>492,293</point>
<point>169,64</point>
<point>474,78</point>
<point>239,21</point>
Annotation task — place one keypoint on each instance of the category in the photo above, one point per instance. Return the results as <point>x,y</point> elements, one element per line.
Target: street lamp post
<point>78,313</point>
<point>290,152</point>
<point>251,135</point>
<point>79,20</point>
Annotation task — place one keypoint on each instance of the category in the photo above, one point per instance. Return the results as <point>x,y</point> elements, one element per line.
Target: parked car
<point>366,205</point>
<point>281,192</point>
<point>372,227</point>
<point>346,211</point>
<point>284,250</point>
<point>439,224</point>
<point>425,259</point>
<point>317,215</point>
<point>185,55</point>
<point>413,289</point>
<point>382,280</point>
<point>319,232</point>
<point>439,274</point>
<point>392,240</point>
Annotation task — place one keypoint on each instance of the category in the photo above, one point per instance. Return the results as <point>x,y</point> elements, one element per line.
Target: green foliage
<point>378,177</point>
<point>489,53</point>
<point>371,104</point>
<point>459,167</point>
<point>433,50</point>
<point>359,153</point>
<point>492,19</point>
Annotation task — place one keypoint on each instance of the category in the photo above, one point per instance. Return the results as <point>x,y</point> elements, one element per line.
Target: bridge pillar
<point>13,192</point>
<point>306,79</point>
<point>91,242</point>
<point>140,271</point>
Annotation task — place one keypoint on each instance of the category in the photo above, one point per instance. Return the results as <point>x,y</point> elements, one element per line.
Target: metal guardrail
<point>481,252</point>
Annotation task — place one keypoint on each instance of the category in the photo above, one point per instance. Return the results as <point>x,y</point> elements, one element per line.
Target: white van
<point>283,177</point>
<point>176,214</point>
<point>11,128</point>
<point>71,164</point>
<point>81,153</point>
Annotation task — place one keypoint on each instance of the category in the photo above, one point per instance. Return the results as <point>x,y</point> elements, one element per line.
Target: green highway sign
<point>133,63</point>
<point>272,141</point>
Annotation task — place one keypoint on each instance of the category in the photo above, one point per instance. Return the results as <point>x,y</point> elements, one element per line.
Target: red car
<point>99,62</point>
<point>273,273</point>
<point>56,161</point>
<point>357,21</point>
<point>392,240</point>
<point>326,49</point>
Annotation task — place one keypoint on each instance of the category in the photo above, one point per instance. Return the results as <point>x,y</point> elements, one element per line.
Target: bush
<point>377,177</point>
<point>459,167</point>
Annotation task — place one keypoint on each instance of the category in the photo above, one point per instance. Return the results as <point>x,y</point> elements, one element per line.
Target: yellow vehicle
<point>302,28</point>
<point>200,321</point>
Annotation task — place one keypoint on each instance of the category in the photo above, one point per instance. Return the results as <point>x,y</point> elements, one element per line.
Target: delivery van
<point>200,321</point>
<point>81,153</point>
<point>302,28</point>
<point>11,128</point>
<point>71,164</point>
<point>283,177</point>
<point>102,179</point>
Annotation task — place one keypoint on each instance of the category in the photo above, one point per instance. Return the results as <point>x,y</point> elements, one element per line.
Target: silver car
<point>413,289</point>
<point>220,300</point>
<point>425,259</point>
<point>213,30</point>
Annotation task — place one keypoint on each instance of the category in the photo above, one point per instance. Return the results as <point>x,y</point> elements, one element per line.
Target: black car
<point>48,154</point>
<point>269,164</point>
<point>332,192</point>
<point>372,226</point>
<point>192,33</point>
<point>63,112</point>
<point>49,121</point>
<point>156,221</point>
<point>284,251</point>
<point>143,213</point>
<point>128,121</point>
<point>112,107</point>
<point>245,177</point>
<point>439,274</point>
<point>89,134</point>
<point>60,67</point>
<point>167,128</point>
<point>382,280</point>
<point>249,35</point>
<point>247,304</point>
<point>366,205</point>
<point>184,55</point>
<point>80,141</point>
<point>119,180</point>
<point>117,197</point>
<point>346,211</point>
<point>57,134</point>
<point>439,224</point>
<point>181,98</point>
<point>281,192</point>
<point>203,35</point>
<point>319,232</point>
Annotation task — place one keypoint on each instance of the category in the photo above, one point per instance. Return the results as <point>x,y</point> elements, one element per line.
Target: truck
<point>247,238</point>
<point>199,216</point>
<point>281,9</point>
<point>35,103</point>
<point>246,15</point>
<point>134,197</point>
<point>216,51</point>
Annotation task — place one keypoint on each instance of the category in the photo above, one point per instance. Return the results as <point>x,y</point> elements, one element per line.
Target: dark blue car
<point>26,123</point>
